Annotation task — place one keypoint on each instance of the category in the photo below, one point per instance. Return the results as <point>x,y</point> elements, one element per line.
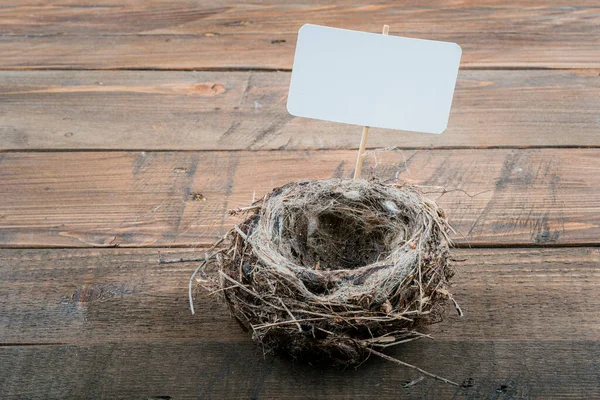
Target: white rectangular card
<point>373,80</point>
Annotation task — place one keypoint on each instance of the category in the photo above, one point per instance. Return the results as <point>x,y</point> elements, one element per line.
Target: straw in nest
<point>334,270</point>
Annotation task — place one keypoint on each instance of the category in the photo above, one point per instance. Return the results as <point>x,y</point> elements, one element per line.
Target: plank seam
<point>131,150</point>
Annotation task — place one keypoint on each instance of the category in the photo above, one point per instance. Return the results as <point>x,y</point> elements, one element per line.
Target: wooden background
<point>116,115</point>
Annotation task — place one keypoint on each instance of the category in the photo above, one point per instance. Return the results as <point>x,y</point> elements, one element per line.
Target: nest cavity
<point>327,270</point>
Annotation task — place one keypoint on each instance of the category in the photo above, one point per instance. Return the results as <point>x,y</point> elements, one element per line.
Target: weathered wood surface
<point>95,296</point>
<point>524,197</point>
<point>115,324</point>
<point>208,370</point>
<point>96,34</point>
<point>246,110</point>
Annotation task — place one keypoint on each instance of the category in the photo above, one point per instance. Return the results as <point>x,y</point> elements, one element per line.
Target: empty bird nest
<point>333,270</point>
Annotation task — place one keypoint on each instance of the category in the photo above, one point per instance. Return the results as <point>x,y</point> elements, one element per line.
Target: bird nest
<point>333,270</point>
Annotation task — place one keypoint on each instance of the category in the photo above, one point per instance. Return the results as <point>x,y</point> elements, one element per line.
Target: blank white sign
<point>373,80</point>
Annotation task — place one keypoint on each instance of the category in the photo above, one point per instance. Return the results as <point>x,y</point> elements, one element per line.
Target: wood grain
<point>495,197</point>
<point>246,110</point>
<point>94,34</point>
<point>115,324</point>
<point>495,370</point>
<point>95,296</point>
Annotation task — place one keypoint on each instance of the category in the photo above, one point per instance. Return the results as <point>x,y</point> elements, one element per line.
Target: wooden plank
<point>94,296</point>
<point>495,197</point>
<point>496,370</point>
<point>187,35</point>
<point>246,110</point>
<point>115,324</point>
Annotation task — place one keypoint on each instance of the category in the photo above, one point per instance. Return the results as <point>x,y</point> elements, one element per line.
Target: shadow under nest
<point>330,271</point>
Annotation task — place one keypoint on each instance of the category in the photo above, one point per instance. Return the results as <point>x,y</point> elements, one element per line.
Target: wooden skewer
<point>361,152</point>
<point>365,134</point>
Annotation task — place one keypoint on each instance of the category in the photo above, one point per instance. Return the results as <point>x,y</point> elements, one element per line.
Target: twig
<point>204,260</point>
<point>394,360</point>
<point>244,209</point>
<point>217,291</point>
<point>458,309</point>
<point>244,288</point>
<point>449,296</point>
<point>191,283</point>
<point>241,233</point>
<point>383,346</point>
<point>295,321</point>
<point>291,315</point>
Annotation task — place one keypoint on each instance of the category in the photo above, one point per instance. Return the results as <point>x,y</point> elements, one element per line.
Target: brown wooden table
<point>128,128</point>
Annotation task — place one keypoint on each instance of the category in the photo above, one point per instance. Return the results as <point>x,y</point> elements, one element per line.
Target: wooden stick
<point>365,134</point>
<point>361,152</point>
